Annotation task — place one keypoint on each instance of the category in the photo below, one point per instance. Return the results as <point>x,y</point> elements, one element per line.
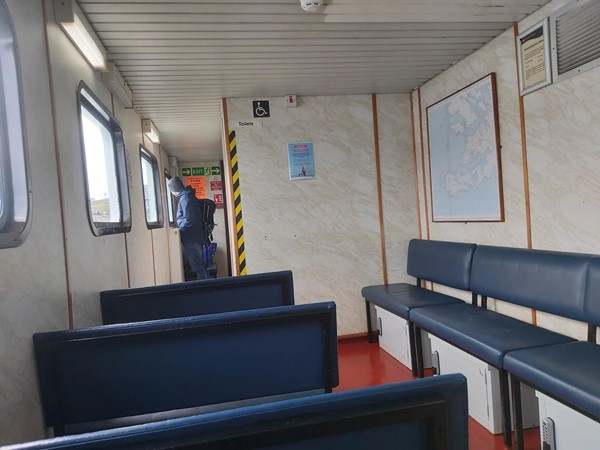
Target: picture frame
<point>465,171</point>
<point>534,58</point>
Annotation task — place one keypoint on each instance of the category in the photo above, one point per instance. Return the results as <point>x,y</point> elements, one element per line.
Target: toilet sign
<point>260,109</point>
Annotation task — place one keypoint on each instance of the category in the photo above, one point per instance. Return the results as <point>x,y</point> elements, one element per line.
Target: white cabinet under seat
<point>572,430</point>
<point>483,384</point>
<point>394,338</point>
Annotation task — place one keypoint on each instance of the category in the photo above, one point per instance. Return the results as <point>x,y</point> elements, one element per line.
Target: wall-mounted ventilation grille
<point>575,38</point>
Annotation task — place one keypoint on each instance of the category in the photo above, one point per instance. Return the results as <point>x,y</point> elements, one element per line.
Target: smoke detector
<point>310,5</point>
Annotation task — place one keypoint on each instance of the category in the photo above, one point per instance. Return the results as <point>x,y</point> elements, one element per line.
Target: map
<point>463,151</point>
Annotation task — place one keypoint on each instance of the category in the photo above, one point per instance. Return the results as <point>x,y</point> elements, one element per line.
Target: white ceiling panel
<point>181,57</point>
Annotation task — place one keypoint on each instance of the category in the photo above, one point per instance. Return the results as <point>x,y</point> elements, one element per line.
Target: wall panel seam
<point>379,190</point>
<point>59,170</point>
<point>524,158</point>
<point>414,145</point>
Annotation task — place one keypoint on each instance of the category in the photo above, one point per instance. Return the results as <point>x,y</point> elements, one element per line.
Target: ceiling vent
<point>575,38</point>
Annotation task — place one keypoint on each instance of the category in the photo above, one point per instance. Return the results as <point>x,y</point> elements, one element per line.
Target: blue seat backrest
<point>117,371</point>
<point>426,414</point>
<point>447,263</point>
<point>548,281</point>
<point>196,298</point>
<point>592,294</point>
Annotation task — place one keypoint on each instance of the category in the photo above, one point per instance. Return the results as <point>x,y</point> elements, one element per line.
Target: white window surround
<point>151,189</point>
<point>105,166</point>
<point>170,201</point>
<point>15,195</point>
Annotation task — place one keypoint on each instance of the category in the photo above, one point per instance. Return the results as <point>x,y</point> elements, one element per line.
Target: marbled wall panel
<point>510,309</point>
<point>95,263</point>
<point>564,162</point>
<point>561,325</point>
<point>172,233</point>
<point>422,207</point>
<point>463,295</point>
<point>160,237</point>
<point>33,293</point>
<point>164,274</point>
<point>139,240</point>
<point>398,182</point>
<point>326,229</point>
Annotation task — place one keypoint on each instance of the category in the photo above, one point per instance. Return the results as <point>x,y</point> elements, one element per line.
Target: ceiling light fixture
<point>75,25</point>
<point>310,5</point>
<point>150,131</point>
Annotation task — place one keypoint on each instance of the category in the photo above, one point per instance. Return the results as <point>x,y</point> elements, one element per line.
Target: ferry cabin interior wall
<point>562,160</point>
<point>38,278</point>
<point>326,229</point>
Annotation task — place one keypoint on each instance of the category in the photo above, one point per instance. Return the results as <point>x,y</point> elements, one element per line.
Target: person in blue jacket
<point>191,228</point>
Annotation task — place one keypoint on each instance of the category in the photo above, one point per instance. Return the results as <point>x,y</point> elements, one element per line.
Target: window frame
<point>105,117</point>
<point>170,205</point>
<point>14,161</point>
<point>149,157</point>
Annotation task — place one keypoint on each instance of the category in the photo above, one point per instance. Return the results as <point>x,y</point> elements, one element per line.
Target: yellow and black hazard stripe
<point>237,202</point>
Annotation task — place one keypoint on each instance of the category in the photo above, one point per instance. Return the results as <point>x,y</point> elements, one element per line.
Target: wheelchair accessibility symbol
<point>260,109</point>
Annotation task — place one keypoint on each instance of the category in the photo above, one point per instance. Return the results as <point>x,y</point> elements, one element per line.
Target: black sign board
<point>260,108</point>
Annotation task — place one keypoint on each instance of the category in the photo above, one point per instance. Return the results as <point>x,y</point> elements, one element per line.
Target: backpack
<point>207,210</point>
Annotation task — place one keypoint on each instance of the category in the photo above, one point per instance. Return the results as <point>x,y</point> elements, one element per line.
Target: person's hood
<point>188,189</point>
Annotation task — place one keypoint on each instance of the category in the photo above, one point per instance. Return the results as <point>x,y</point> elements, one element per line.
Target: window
<point>151,188</point>
<point>15,197</point>
<point>105,167</point>
<point>170,202</point>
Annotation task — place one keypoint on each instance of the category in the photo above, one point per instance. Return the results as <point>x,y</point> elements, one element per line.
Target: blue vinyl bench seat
<point>447,263</point>
<point>195,298</point>
<point>118,372</point>
<point>427,414</point>
<point>486,334</point>
<point>549,281</point>
<point>401,298</point>
<point>568,372</point>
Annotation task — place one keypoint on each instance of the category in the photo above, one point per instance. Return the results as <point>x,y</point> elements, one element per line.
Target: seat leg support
<point>413,351</point>
<point>369,326</point>
<point>515,385</point>
<point>505,405</point>
<point>419,351</point>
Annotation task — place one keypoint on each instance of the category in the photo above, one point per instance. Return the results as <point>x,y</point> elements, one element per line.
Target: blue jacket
<point>189,217</point>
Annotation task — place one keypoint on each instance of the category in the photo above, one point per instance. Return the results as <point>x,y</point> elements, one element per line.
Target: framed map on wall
<point>464,155</point>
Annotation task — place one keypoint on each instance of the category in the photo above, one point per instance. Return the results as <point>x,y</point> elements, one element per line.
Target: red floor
<point>362,364</point>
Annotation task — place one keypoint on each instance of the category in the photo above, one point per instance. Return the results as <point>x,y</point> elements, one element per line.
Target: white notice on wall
<point>250,123</point>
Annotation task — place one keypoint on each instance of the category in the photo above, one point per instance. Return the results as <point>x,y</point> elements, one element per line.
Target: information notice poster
<point>199,184</point>
<point>206,181</point>
<point>301,160</point>
<point>534,58</point>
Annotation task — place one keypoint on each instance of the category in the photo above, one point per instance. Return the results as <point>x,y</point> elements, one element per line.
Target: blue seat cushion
<point>486,334</point>
<point>567,372</point>
<point>553,282</point>
<point>447,263</point>
<point>400,298</point>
